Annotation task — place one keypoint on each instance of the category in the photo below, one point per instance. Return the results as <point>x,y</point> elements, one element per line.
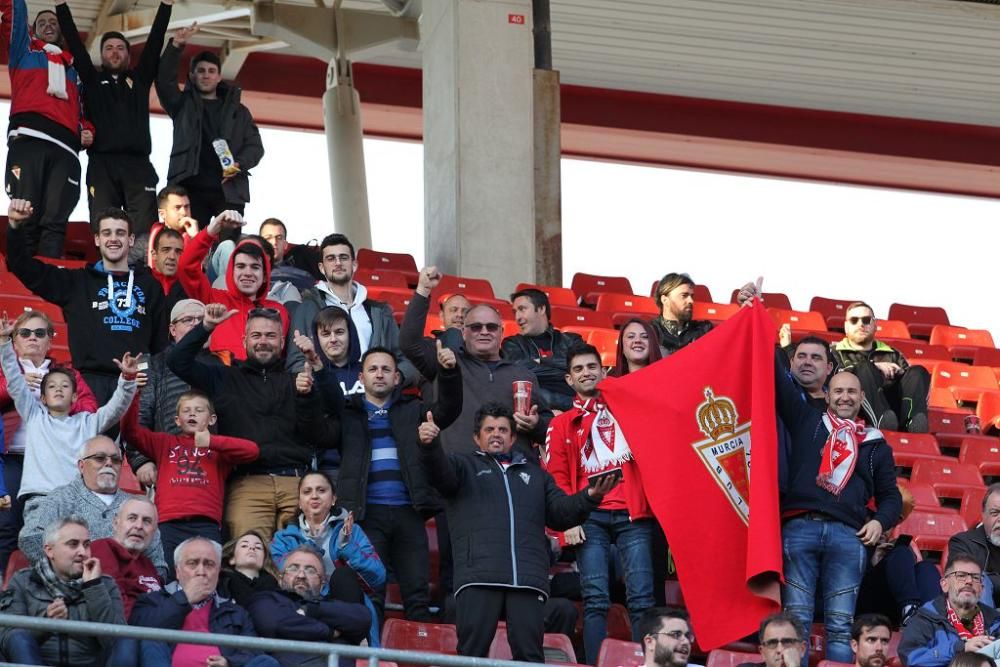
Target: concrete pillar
<point>345,148</point>
<point>548,174</point>
<point>479,139</point>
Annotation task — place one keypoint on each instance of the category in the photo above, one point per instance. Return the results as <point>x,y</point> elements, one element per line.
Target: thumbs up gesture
<point>304,380</point>
<point>750,292</point>
<point>446,356</point>
<point>428,430</point>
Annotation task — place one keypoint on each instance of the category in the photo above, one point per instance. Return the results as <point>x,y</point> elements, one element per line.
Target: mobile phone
<point>143,365</point>
<point>594,479</point>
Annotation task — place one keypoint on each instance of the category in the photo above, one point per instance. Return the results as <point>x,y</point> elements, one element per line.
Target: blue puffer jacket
<point>929,640</point>
<point>355,551</point>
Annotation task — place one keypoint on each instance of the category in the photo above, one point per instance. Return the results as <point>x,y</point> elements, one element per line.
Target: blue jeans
<point>828,553</point>
<point>634,541</point>
<point>22,648</point>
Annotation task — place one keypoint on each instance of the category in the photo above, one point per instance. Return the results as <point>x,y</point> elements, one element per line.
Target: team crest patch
<point>726,450</point>
<point>16,171</point>
<point>525,477</point>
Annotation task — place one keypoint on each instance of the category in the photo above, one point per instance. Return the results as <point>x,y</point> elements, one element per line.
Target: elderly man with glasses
<point>896,391</point>
<point>782,642</point>
<point>94,496</point>
<point>955,621</point>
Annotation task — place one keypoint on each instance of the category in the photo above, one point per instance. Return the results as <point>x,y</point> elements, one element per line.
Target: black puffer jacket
<point>405,415</point>
<point>551,370</point>
<point>973,542</point>
<point>187,111</point>
<point>497,518</point>
<point>670,343</point>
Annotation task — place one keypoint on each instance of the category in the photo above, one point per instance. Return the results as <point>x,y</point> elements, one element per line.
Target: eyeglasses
<point>962,577</point>
<point>308,570</point>
<point>189,319</point>
<point>102,458</point>
<point>676,635</point>
<point>863,320</point>
<point>38,333</point>
<point>476,327</point>
<point>785,642</point>
<point>338,259</point>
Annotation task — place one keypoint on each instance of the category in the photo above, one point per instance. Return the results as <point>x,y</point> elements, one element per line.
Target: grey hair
<point>82,452</point>
<point>137,499</point>
<point>197,538</point>
<point>305,548</point>
<point>52,530</point>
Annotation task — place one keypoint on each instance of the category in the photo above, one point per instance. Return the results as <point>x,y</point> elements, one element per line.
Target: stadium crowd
<point>294,440</point>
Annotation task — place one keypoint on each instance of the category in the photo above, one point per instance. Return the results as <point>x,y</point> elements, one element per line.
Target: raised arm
<point>412,343</point>
<point>111,412</point>
<point>189,271</point>
<point>81,57</point>
<point>52,283</point>
<point>24,401</point>
<point>448,406</point>
<point>183,358</point>
<point>149,61</point>
<point>171,97</point>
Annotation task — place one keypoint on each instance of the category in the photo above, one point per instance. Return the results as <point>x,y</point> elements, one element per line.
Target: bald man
<point>831,470</point>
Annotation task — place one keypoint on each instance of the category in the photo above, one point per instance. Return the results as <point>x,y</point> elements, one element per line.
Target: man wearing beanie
<point>116,99</point>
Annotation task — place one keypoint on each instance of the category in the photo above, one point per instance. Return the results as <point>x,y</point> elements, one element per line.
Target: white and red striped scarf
<point>59,60</point>
<point>840,453</point>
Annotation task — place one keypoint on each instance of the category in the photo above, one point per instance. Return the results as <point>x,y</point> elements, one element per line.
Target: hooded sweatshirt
<point>228,336</point>
<point>101,329</point>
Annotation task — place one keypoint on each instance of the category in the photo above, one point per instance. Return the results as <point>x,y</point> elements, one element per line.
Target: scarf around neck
<point>56,587</point>
<point>606,446</point>
<point>59,61</point>
<point>840,452</point>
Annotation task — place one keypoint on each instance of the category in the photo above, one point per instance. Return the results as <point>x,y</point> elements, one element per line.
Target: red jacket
<point>568,433</point>
<point>228,336</point>
<point>132,571</point>
<point>189,481</point>
<point>85,402</point>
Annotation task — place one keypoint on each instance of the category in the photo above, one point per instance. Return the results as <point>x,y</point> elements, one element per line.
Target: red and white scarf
<point>978,625</point>
<point>59,60</point>
<point>605,447</point>
<point>840,453</point>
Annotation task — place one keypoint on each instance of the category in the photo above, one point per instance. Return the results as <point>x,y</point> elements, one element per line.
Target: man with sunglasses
<point>896,391</point>
<point>955,621</point>
<point>94,496</point>
<point>666,638</point>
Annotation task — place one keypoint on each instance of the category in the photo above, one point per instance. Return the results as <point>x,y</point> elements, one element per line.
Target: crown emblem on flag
<point>717,418</point>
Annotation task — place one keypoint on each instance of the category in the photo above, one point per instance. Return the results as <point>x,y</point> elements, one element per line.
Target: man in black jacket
<point>540,347</point>
<point>116,98</point>
<point>499,503</point>
<point>674,326</point>
<point>982,543</point>
<point>111,307</point>
<point>207,112</point>
<point>258,400</point>
<point>381,479</point>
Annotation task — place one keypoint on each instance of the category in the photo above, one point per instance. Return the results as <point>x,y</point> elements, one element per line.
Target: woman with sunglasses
<point>33,335</point>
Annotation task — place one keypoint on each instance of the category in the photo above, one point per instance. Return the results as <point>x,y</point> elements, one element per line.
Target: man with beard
<point>953,622</point>
<point>372,323</point>
<point>45,131</point>
<point>116,97</point>
<point>981,543</point>
<point>666,638</point>
<point>870,637</point>
<point>299,612</point>
<point>66,583</point>
<point>674,326</point>
<point>122,555</point>
<point>110,307</point>
<point>94,496</point>
<point>257,400</point>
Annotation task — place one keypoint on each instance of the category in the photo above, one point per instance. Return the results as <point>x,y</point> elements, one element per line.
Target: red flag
<point>689,420</point>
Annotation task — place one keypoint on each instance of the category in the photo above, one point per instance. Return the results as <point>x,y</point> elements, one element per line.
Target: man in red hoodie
<point>247,281</point>
<point>583,444</point>
<point>122,556</point>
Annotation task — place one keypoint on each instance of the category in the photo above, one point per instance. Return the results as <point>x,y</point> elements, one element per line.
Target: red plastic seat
<point>982,356</point>
<point>64,263</point>
<point>470,287</point>
<point>932,530</point>
<point>832,310</point>
<point>907,448</point>
<point>14,306</point>
<point>714,312</point>
<point>606,342</point>
<point>919,319</point>
<point>580,317</point>
<point>946,424</point>
<point>966,382</point>
<point>924,496</point>
<point>961,342</point>
<point>623,307</point>
<point>416,636</point>
<point>558,296</point>
<point>723,658</point>
<point>941,397</point>
<point>383,278</point>
<point>918,349</point>
<point>771,300</point>
<point>619,653</point>
<point>986,457</point>
<point>587,286</point>
<point>949,479</point>
<point>891,329</point>
<point>398,261</point>
<point>127,481</point>
<point>17,561</point>
<point>798,320</point>
<point>80,242</point>
<point>971,509</point>
<point>557,647</point>
<point>988,410</point>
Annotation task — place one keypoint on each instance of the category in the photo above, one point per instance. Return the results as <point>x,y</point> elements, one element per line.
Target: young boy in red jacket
<point>191,469</point>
